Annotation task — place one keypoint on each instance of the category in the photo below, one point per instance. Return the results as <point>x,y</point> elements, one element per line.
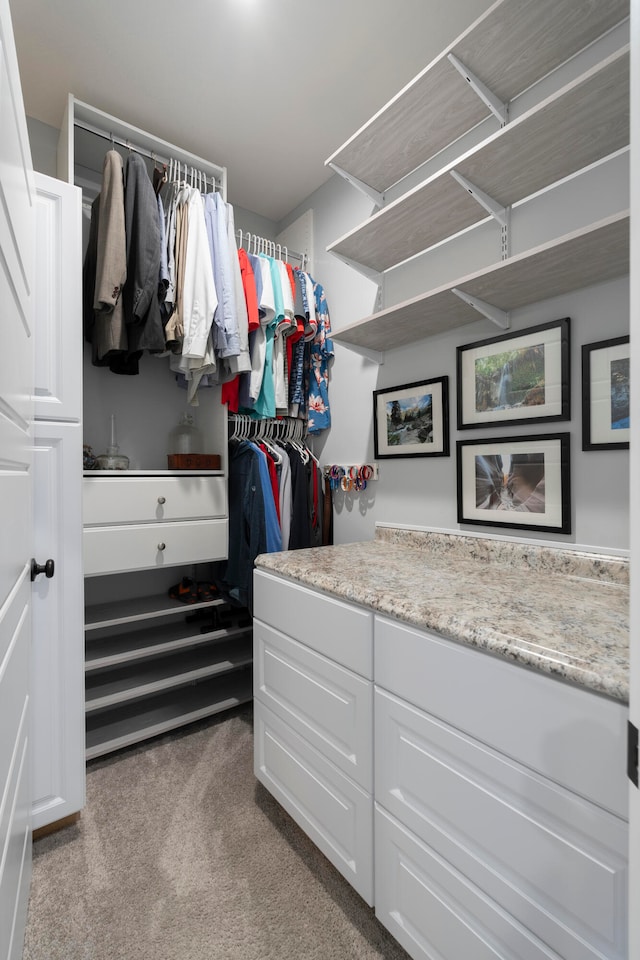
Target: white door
<point>57,666</point>
<point>17,221</point>
<point>634,792</point>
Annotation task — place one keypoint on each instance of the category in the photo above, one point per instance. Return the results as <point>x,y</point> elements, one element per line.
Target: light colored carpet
<point>180,854</point>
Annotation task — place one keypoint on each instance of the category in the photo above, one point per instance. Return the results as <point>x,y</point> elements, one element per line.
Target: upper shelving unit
<point>583,122</point>
<point>511,46</point>
<point>578,259</point>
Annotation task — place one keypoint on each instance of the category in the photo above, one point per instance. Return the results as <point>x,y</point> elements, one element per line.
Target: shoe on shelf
<point>186,591</point>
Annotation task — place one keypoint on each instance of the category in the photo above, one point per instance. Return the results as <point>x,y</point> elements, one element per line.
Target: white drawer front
<point>332,810</point>
<point>328,705</point>
<point>433,912</point>
<point>338,630</point>
<point>574,737</point>
<point>127,499</point>
<point>138,546</point>
<point>555,861</point>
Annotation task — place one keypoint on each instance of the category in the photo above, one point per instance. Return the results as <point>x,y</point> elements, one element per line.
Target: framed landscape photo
<point>412,420</point>
<point>516,377</point>
<point>518,482</point>
<point>605,395</point>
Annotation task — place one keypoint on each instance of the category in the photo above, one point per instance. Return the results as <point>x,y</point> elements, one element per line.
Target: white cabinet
<point>500,806</point>
<point>508,50</point>
<point>499,794</point>
<point>313,719</point>
<point>57,681</point>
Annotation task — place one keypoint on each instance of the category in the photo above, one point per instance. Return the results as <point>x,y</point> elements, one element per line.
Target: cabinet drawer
<point>574,737</point>
<point>329,706</point>
<point>555,861</point>
<point>332,810</point>
<point>145,499</point>
<point>338,630</point>
<point>434,912</point>
<point>137,546</point>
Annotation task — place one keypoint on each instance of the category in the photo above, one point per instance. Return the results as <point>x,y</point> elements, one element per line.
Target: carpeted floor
<point>181,855</point>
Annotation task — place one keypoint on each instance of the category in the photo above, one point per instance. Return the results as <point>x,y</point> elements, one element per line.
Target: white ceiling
<point>269,88</point>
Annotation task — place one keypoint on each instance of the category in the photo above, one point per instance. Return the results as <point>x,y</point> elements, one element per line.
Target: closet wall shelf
<point>128,724</point>
<point>153,473</point>
<point>586,120</point>
<point>511,46</point>
<point>578,259</point>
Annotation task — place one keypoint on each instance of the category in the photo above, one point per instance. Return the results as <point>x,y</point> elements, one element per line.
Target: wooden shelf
<point>510,47</point>
<point>111,730</point>
<point>579,259</point>
<point>133,681</point>
<point>585,121</point>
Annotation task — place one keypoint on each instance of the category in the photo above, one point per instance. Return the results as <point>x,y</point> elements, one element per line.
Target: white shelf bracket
<point>500,317</point>
<point>375,195</point>
<point>374,275</point>
<point>497,106</point>
<point>497,211</point>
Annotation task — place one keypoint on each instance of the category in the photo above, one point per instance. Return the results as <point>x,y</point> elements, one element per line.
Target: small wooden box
<point>194,461</point>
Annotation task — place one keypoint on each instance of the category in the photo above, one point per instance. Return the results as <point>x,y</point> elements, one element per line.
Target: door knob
<point>38,568</point>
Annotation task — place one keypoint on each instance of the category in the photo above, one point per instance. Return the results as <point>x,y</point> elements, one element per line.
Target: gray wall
<point>423,492</point>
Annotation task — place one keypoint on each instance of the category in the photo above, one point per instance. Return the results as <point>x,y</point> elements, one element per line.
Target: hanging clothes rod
<point>83,125</point>
<point>278,251</point>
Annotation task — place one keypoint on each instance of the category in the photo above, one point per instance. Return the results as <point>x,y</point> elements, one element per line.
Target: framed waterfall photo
<point>412,420</point>
<point>605,395</point>
<point>515,378</point>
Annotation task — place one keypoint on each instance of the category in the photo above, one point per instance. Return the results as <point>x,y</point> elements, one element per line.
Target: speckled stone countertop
<point>560,611</point>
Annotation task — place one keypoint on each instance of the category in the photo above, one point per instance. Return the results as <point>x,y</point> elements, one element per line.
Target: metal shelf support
<point>497,211</point>
<point>497,106</point>
<point>502,318</point>
<point>373,194</point>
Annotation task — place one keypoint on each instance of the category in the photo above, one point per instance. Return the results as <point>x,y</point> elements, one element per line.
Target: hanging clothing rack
<point>252,243</point>
<point>80,116</point>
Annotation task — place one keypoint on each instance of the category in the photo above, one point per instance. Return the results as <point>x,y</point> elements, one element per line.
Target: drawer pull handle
<point>161,546</point>
<point>162,499</point>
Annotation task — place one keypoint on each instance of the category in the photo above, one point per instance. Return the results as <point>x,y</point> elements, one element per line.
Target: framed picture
<point>515,482</point>
<point>605,395</point>
<point>412,420</point>
<point>521,377</point>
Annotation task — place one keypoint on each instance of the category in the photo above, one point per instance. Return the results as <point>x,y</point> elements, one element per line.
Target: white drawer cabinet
<point>325,703</point>
<point>333,811</point>
<point>137,523</point>
<point>503,785</point>
<point>133,499</point>
<point>313,704</point>
<point>555,861</point>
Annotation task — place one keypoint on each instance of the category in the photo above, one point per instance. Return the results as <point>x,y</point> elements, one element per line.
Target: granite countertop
<point>560,611</point>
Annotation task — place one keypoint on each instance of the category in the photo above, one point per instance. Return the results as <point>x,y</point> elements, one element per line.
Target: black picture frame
<point>515,378</point>
<point>605,394</point>
<point>412,420</point>
<point>533,492</point>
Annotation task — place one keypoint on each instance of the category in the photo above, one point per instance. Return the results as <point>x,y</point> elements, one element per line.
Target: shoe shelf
<point>108,687</point>
<point>511,46</point>
<point>113,651</point>
<point>153,663</point>
<point>583,122</point>
<point>130,723</point>
<point>115,612</point>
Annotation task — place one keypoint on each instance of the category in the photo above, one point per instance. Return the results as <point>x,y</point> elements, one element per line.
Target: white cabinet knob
<point>161,546</point>
<point>162,499</point>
